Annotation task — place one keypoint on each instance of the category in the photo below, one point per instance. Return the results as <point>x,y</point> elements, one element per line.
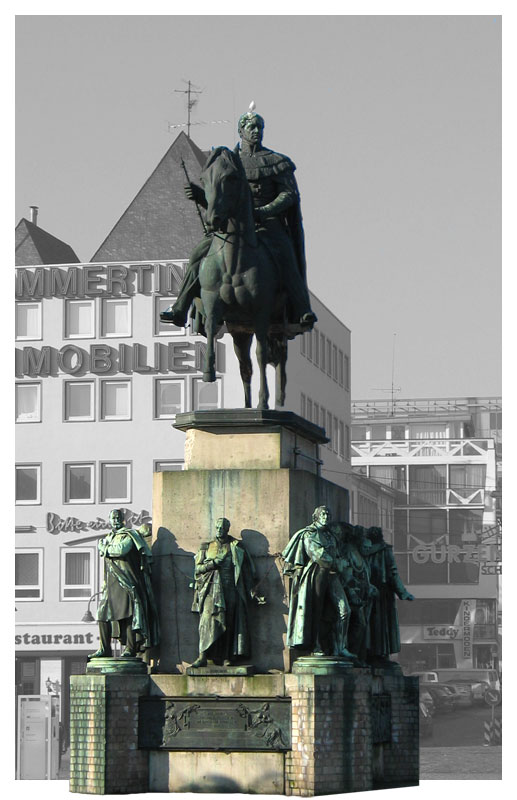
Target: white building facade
<point>99,381</point>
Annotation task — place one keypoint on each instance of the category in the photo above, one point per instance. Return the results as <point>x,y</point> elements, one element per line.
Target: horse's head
<point>223,180</point>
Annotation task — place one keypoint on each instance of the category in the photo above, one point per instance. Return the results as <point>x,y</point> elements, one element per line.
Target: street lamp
<point>88,616</point>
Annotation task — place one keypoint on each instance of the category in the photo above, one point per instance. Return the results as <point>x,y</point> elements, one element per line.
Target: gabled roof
<point>33,245</point>
<point>160,223</point>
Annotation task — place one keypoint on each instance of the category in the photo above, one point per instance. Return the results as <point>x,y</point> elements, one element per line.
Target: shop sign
<point>56,524</point>
<point>452,553</point>
<point>56,636</point>
<point>442,633</point>
<point>463,648</point>
<point>94,280</point>
<point>102,359</point>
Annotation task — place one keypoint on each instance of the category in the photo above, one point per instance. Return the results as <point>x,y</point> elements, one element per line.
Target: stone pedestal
<point>325,727</point>
<point>104,754</point>
<point>260,469</point>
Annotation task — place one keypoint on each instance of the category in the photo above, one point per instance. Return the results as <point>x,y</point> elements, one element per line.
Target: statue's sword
<point>195,201</point>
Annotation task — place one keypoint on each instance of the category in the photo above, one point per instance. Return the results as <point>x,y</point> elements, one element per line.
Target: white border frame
<point>40,552</point>
<point>37,466</point>
<point>66,384</point>
<point>73,300</point>
<point>104,302</point>
<point>64,551</point>
<point>102,416</point>
<point>39,397</point>
<point>39,305</point>
<point>66,480</point>
<point>129,481</point>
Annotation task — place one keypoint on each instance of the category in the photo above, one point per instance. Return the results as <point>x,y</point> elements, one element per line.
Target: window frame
<point>62,574</point>
<point>37,465</point>
<point>195,381</point>
<point>170,330</point>
<point>69,301</point>
<point>66,466</point>
<point>164,379</point>
<point>91,384</point>
<point>104,302</point>
<point>102,383</point>
<point>39,306</point>
<point>37,384</point>
<point>177,462</point>
<point>129,481</point>
<point>40,552</point>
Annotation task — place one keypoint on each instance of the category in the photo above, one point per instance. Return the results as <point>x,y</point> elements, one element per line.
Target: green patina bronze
<point>127,609</point>
<point>384,633</point>
<point>249,271</point>
<point>342,608</point>
<point>224,579</point>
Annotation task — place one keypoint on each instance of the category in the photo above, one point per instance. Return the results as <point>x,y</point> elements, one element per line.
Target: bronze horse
<point>240,283</point>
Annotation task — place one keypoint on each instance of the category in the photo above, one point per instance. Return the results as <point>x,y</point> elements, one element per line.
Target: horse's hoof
<point>263,406</point>
<point>209,377</point>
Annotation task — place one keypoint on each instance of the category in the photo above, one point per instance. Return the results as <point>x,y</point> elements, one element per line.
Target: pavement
<point>461,763</point>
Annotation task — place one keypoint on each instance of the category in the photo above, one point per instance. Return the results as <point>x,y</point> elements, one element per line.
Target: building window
<point>335,435</point>
<point>165,328</point>
<point>309,410</point>
<point>28,574</point>
<point>115,400</point>
<point>303,405</point>
<point>322,352</point>
<point>116,317</point>
<point>28,484</point>
<point>398,433</point>
<point>115,482</point>
<point>329,429</point>
<point>316,347</point>
<point>334,362</point>
<point>316,414</point>
<point>79,483</point>
<point>28,321</point>
<point>427,485</point>
<point>346,369</point>
<point>169,466</point>
<point>79,401</point>
<point>329,358</point>
<point>340,366</point>
<point>28,402</point>
<point>79,319</point>
<point>76,574</point>
<point>308,344</point>
<point>302,344</point>
<point>169,397</point>
<point>206,395</point>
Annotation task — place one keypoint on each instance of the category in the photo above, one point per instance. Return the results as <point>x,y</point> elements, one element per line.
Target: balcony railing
<point>433,406</point>
<point>409,449</point>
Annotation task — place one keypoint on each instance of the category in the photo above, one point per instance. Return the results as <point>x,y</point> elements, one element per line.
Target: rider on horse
<point>278,219</point>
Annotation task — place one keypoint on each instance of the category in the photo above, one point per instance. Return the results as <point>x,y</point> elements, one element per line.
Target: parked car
<point>425,677</point>
<point>463,690</point>
<point>426,720</point>
<point>443,697</point>
<point>426,698</point>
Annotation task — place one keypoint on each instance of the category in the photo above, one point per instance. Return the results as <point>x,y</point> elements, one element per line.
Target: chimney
<point>34,214</point>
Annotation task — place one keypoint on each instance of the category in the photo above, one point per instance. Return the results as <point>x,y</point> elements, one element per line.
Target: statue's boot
<point>201,661</point>
<point>102,652</point>
<point>128,652</point>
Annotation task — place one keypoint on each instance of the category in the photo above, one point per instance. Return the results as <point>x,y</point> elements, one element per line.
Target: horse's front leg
<point>262,360</point>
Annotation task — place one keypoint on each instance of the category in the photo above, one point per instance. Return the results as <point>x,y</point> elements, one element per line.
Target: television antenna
<point>393,388</point>
<point>192,89</point>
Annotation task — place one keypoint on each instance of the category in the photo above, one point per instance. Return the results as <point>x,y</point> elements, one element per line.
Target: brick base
<point>350,732</point>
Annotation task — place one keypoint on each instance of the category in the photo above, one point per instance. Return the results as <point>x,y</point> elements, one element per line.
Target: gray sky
<point>393,122</point>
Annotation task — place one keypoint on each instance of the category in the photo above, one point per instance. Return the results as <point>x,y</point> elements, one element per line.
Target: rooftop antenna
<point>191,102</point>
<point>393,387</point>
